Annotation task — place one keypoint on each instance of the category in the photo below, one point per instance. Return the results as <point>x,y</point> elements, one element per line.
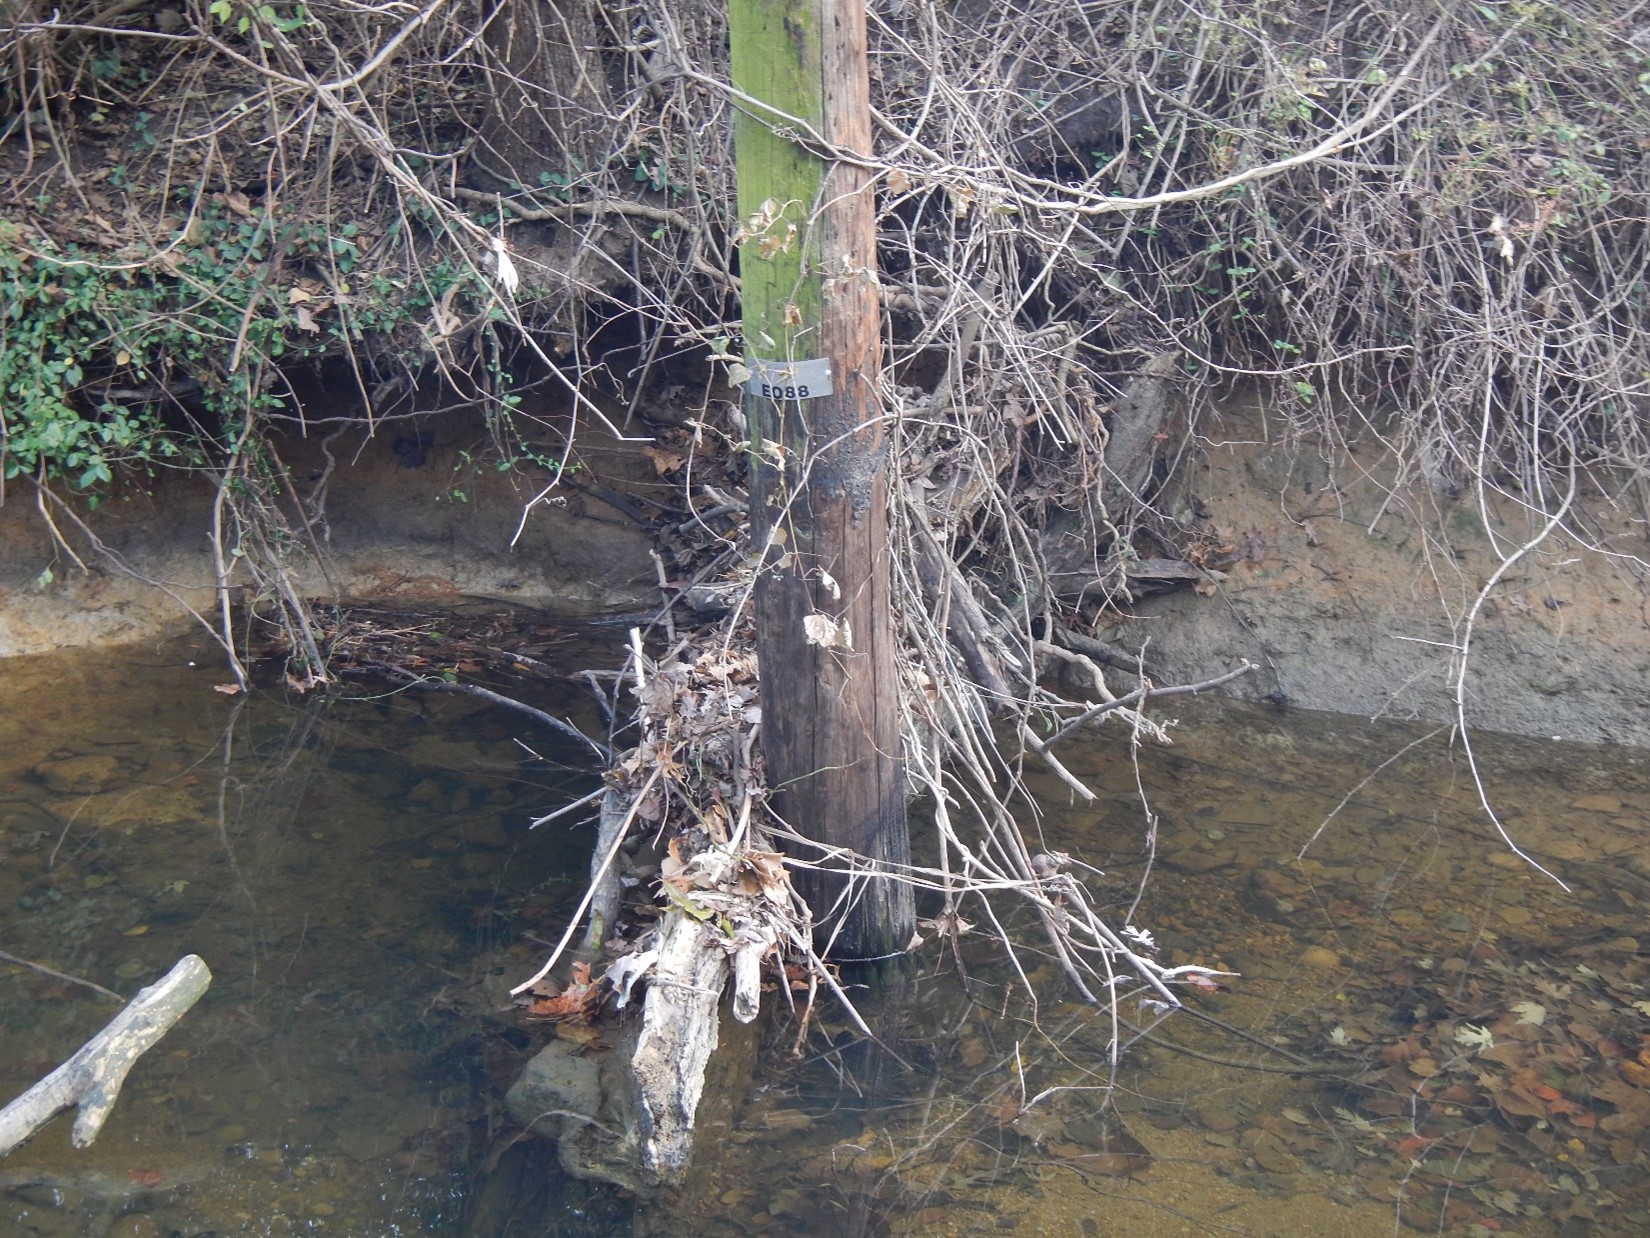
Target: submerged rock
<point>1320,957</point>
<point>556,1083</point>
<point>138,806</point>
<point>81,775</point>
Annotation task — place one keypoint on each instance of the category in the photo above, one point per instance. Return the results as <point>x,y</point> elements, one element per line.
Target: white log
<point>678,1035</point>
<point>93,1077</point>
<point>750,945</point>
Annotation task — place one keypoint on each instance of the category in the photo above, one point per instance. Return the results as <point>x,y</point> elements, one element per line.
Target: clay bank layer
<point>1351,590</point>
<point>1353,587</point>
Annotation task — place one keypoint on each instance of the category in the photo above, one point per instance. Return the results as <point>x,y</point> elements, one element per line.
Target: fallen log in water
<point>679,1022</point>
<point>629,1116</point>
<point>93,1077</point>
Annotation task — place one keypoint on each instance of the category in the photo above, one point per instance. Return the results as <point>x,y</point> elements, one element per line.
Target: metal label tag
<point>789,380</point>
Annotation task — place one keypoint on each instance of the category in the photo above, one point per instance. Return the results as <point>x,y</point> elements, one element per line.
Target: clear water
<point>359,877</point>
<point>1426,1035</point>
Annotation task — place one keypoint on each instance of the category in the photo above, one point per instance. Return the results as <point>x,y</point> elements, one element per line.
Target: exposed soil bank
<point>412,517</point>
<point>1351,594</point>
<point>1355,585</point>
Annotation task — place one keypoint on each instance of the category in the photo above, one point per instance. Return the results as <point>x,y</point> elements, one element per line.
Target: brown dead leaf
<point>674,874</point>
<point>767,870</point>
<point>797,977</point>
<point>1401,1051</point>
<point>1632,1107</point>
<point>714,821</point>
<point>652,807</point>
<point>1269,1151</point>
<point>664,461</point>
<point>1004,1109</point>
<point>578,1002</point>
<point>1505,1053</point>
<point>238,202</point>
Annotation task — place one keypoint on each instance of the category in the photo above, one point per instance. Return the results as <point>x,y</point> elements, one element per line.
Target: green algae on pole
<point>824,616</point>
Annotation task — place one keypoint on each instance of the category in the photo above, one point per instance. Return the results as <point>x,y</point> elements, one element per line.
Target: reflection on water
<point>359,877</point>
<point>1426,1032</point>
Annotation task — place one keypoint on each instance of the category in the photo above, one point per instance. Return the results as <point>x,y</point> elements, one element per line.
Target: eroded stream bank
<point>360,878</point>
<point>1345,579</point>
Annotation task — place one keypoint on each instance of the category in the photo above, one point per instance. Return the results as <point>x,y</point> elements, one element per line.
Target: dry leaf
<point>1004,1109</point>
<point>1474,1037</point>
<point>664,461</point>
<point>228,689</point>
<point>777,242</point>
<point>1530,1012</point>
<point>828,633</point>
<point>578,1002</point>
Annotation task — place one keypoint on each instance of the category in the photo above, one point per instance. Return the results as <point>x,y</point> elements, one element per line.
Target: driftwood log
<point>604,874</point>
<point>678,1035</point>
<point>93,1077</point>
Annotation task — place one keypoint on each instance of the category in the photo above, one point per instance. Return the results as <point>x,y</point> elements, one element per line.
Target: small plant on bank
<point>105,365</point>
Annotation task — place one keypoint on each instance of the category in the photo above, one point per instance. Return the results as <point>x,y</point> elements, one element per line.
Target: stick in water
<point>92,1078</point>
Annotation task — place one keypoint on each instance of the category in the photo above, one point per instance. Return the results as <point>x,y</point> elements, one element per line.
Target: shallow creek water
<point>355,873</point>
<point>1446,1039</point>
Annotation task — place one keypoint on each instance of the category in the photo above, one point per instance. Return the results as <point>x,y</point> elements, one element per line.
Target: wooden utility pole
<point>824,618</point>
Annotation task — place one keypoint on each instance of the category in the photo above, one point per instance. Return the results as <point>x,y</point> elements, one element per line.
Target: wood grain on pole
<point>830,711</point>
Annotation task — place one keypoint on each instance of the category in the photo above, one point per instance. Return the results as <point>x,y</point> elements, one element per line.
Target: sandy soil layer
<point>1356,583</point>
<point>414,517</point>
<point>1352,592</point>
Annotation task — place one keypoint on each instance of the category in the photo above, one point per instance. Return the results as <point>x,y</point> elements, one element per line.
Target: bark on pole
<point>807,264</point>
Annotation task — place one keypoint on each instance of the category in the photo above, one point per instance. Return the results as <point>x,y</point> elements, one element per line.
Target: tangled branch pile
<point>1435,214</point>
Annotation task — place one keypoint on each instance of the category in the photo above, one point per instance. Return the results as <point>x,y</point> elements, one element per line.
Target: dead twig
<point>58,975</point>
